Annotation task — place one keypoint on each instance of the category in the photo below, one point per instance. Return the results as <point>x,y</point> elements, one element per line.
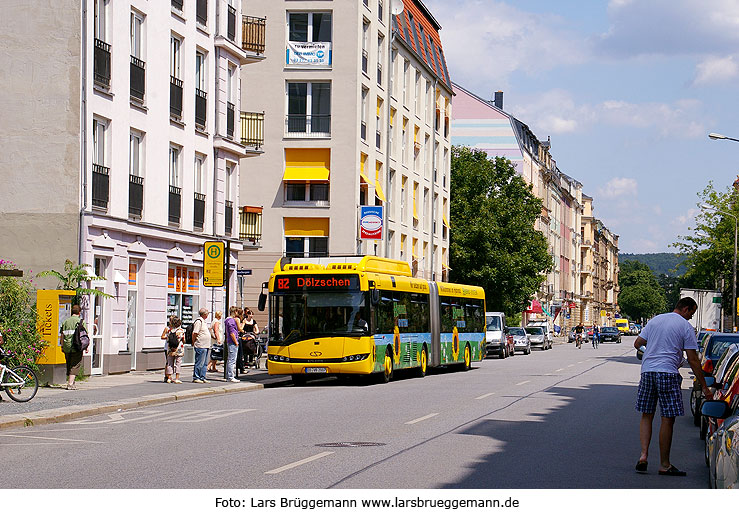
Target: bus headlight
<point>278,358</point>
<point>355,357</point>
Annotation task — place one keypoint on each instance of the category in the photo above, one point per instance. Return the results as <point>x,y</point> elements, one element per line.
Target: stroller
<point>252,350</point>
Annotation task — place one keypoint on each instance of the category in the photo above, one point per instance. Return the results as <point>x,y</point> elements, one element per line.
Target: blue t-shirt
<point>667,335</point>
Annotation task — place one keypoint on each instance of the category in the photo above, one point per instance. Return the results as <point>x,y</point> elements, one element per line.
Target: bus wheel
<point>387,372</point>
<point>424,363</point>
<point>299,379</point>
<point>467,358</point>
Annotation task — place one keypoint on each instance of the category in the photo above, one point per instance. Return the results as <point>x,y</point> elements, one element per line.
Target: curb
<point>69,413</point>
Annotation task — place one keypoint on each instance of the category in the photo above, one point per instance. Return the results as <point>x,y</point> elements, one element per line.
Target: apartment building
<point>143,160</point>
<point>357,107</point>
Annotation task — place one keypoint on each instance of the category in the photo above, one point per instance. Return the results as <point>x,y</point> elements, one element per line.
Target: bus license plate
<point>315,370</point>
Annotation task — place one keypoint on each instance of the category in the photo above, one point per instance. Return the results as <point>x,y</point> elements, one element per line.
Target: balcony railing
<point>201,12</point>
<point>308,125</point>
<point>201,107</point>
<point>253,32</point>
<point>175,97</point>
<point>198,218</point>
<point>102,63</point>
<point>250,224</point>
<point>229,217</point>
<point>175,204</point>
<point>230,119</point>
<point>138,78</point>
<point>252,129</point>
<point>135,196</point>
<point>100,186</point>
<point>231,29</point>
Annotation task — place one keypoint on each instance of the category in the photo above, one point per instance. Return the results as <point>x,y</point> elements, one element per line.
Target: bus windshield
<point>299,316</point>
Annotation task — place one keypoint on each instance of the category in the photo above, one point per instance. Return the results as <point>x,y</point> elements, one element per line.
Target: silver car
<point>722,450</point>
<point>521,339</point>
<point>538,337</point>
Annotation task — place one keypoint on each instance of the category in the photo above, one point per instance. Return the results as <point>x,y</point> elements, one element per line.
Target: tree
<point>493,242</point>
<point>641,295</point>
<point>72,279</point>
<point>18,317</point>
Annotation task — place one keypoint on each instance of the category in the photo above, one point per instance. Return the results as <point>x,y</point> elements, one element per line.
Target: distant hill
<point>659,263</point>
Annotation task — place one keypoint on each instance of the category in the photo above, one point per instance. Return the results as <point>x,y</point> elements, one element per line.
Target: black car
<point>610,334</point>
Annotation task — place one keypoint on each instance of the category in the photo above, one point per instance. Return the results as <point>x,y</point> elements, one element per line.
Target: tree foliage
<point>641,295</point>
<point>493,240</point>
<point>18,317</point>
<point>73,277</point>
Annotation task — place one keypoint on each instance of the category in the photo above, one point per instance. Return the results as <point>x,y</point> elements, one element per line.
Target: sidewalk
<point>102,394</point>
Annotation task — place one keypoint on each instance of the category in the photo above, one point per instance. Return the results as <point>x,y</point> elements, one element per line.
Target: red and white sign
<point>534,307</point>
<point>370,224</point>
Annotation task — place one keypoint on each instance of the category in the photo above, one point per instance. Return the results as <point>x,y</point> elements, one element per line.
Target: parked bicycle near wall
<point>20,382</point>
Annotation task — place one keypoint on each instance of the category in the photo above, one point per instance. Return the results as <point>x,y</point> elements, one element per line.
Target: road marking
<point>485,395</point>
<point>571,365</point>
<point>171,416</point>
<point>559,370</point>
<point>422,418</point>
<point>208,416</point>
<point>298,463</point>
<point>49,438</point>
<point>523,383</point>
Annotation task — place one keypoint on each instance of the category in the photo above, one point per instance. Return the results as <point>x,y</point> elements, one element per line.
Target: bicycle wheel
<point>24,392</point>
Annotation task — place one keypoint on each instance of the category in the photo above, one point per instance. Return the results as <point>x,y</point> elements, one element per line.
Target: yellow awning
<point>415,210</point>
<point>378,191</point>
<point>306,226</point>
<point>445,266</point>
<point>446,221</point>
<point>307,165</point>
<point>364,177</point>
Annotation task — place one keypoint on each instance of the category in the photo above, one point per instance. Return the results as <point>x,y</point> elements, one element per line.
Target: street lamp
<point>733,286</point>
<point>719,136</point>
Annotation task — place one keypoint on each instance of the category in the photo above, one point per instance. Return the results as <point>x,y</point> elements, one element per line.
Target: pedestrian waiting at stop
<point>72,355</point>
<point>216,335</point>
<point>201,342</point>
<point>232,344</point>
<point>174,337</point>
<point>666,336</point>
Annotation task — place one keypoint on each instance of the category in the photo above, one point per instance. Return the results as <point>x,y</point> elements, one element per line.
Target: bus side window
<point>420,313</point>
<point>385,320</point>
<point>446,314</point>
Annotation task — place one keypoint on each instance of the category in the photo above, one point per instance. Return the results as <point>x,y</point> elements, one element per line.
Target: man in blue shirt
<point>666,336</point>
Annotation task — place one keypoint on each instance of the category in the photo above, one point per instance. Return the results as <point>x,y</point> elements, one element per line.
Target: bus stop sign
<point>214,262</point>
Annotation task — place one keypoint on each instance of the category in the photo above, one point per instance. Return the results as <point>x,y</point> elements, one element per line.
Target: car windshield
<point>517,331</point>
<point>535,330</point>
<point>718,345</point>
<point>492,323</point>
<point>608,330</point>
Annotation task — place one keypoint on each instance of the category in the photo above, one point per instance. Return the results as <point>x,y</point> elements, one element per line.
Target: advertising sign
<point>370,224</point>
<point>309,53</point>
<point>214,262</point>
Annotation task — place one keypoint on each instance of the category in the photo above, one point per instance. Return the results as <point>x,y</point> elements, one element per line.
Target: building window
<point>406,81</point>
<point>231,90</point>
<point>199,192</point>
<point>175,189</point>
<point>403,196</point>
<point>379,124</point>
<point>390,192</point>
<point>380,53</point>
<point>309,109</point>
<point>365,46</point>
<point>306,191</point>
<point>306,246</point>
<point>201,97</point>
<point>229,207</point>
<point>365,108</point>
<point>175,83</point>
<point>201,12</point>
<point>138,65</point>
<point>419,97</point>
<point>404,142</point>
<point>101,57</point>
<point>309,38</point>
<point>100,172</point>
<point>135,176</point>
<point>380,10</point>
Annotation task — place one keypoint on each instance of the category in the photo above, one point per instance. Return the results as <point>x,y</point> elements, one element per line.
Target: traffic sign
<point>243,272</point>
<point>214,260</point>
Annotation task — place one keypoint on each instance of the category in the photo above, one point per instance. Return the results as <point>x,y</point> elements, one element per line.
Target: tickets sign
<point>370,223</point>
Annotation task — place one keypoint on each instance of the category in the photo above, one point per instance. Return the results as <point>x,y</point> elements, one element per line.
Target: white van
<point>548,332</point>
<point>495,334</point>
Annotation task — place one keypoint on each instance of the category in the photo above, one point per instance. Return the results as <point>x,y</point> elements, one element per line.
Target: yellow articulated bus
<point>368,315</point>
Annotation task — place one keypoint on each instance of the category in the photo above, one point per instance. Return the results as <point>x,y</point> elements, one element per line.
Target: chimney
<point>499,99</point>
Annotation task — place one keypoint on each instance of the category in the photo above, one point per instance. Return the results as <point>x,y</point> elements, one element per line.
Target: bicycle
<point>20,383</point>
<point>578,340</point>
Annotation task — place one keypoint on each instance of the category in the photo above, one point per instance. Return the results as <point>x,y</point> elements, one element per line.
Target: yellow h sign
<point>214,261</point>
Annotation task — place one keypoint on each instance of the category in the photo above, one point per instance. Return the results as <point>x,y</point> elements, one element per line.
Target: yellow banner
<point>214,262</point>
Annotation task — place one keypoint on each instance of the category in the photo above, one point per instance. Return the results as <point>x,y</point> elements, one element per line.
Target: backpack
<point>173,342</point>
<point>80,339</point>
<point>189,332</point>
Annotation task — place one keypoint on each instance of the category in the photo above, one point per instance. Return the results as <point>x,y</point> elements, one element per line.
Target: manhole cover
<point>349,444</point>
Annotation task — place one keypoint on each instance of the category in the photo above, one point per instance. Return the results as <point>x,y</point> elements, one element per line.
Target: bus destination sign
<point>316,282</point>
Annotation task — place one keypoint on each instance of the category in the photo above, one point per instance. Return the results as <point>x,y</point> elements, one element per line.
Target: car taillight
<point>708,366</point>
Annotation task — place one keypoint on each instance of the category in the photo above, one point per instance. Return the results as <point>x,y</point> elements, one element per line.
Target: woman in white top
<point>216,335</point>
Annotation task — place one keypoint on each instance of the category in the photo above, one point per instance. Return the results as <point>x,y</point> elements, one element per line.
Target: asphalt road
<point>561,418</point>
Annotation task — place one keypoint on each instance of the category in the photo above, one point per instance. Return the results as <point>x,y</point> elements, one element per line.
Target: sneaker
<point>176,381</point>
<point>71,387</point>
<point>235,380</point>
<point>169,380</point>
<point>205,381</point>
<point>198,381</point>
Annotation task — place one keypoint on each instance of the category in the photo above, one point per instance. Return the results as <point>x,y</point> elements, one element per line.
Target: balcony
<point>231,29</point>
<point>100,187</point>
<point>250,224</point>
<point>308,125</point>
<point>201,107</point>
<point>101,70</point>
<point>198,219</point>
<point>175,98</point>
<point>230,119</point>
<point>252,129</point>
<point>138,79</point>
<point>175,204</point>
<point>201,12</point>
<point>253,32</point>
<point>229,217</point>
<point>135,196</point>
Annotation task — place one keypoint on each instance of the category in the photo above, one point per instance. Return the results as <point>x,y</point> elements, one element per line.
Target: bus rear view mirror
<point>262,298</point>
<point>375,296</point>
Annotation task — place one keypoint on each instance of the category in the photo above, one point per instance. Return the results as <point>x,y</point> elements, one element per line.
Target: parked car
<point>495,334</point>
<point>571,335</point>
<point>538,337</point>
<point>714,345</point>
<point>521,340</point>
<point>623,325</point>
<point>548,331</point>
<point>610,334</point>
<point>722,446</point>
<point>722,376</point>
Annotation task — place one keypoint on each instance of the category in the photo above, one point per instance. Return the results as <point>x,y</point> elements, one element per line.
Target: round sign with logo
<point>371,223</point>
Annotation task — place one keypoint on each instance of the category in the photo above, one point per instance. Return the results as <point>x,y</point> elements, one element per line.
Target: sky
<point>628,91</point>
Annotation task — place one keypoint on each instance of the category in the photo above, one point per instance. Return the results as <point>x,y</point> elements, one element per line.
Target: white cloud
<point>686,218</point>
<point>715,69</point>
<point>620,187</point>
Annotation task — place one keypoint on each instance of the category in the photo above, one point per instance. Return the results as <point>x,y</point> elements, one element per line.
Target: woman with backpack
<point>174,337</point>
<point>216,334</point>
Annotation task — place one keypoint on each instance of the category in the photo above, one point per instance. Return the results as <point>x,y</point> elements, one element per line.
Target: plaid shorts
<point>665,386</point>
